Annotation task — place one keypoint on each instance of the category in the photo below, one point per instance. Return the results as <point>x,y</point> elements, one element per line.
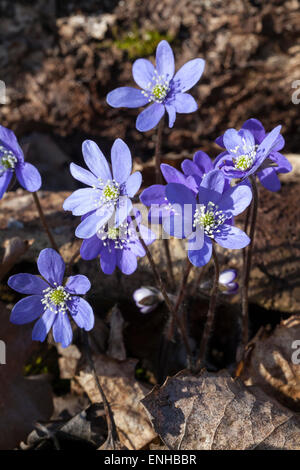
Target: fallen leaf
<point>124,394</point>
<point>14,249</point>
<point>270,364</point>
<point>214,411</point>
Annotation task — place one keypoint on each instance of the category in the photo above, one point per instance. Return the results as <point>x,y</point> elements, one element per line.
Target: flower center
<point>55,299</point>
<point>209,218</point>
<point>111,191</point>
<point>112,236</point>
<point>8,159</point>
<point>245,161</point>
<point>157,89</point>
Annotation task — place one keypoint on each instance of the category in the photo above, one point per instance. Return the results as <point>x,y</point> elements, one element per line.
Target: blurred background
<point>59,59</point>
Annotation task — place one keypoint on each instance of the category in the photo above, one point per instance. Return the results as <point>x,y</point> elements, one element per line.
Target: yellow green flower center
<point>113,233</point>
<point>8,160</point>
<point>209,218</point>
<point>160,91</point>
<point>55,299</point>
<point>111,191</point>
<point>57,296</point>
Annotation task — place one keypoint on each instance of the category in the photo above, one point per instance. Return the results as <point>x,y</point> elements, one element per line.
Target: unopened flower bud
<point>147,298</point>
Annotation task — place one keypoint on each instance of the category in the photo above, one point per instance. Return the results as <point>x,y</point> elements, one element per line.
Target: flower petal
<point>171,175</point>
<point>227,276</point>
<point>235,200</point>
<point>51,266</point>
<point>83,175</point>
<point>256,128</point>
<point>121,161</point>
<point>171,113</point>
<point>82,201</point>
<point>133,183</point>
<point>165,63</point>
<point>185,103</point>
<point>150,117</point>
<point>126,97</point>
<point>28,177</point>
<point>4,182</point>
<point>9,139</point>
<point>232,237</point>
<point>27,283</point>
<point>269,179</point>
<point>89,226</point>
<point>27,310</point>
<point>108,260</point>
<point>179,194</point>
<point>90,248</point>
<point>62,330</point>
<point>95,160</point>
<point>155,194</point>
<point>82,313</point>
<point>189,74</point>
<point>126,261</point>
<point>203,161</point>
<point>78,284</point>
<point>201,257</point>
<point>284,166</point>
<point>123,209</point>
<point>143,72</point>
<point>43,326</point>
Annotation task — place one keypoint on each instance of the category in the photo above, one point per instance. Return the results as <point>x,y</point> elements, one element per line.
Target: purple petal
<point>82,313</point>
<point>84,176</point>
<point>165,63</point>
<point>123,209</point>
<point>126,97</point>
<point>89,226</point>
<point>43,326</point>
<point>147,235</point>
<point>126,261</point>
<point>90,248</point>
<point>201,257</point>
<point>171,113</point>
<point>196,239</point>
<point>227,276</point>
<point>150,117</point>
<point>185,103</point>
<point>9,140</point>
<point>51,266</point>
<point>203,161</point>
<point>82,201</point>
<point>143,73</point>
<point>121,161</point>
<point>27,283</point>
<point>95,160</point>
<point>219,141</point>
<point>235,200</point>
<point>4,182</point>
<point>269,179</point>
<point>78,284</point>
<point>190,168</point>
<point>27,310</point>
<point>284,166</point>
<point>256,128</point>
<point>155,194</point>
<point>28,177</point>
<point>232,288</point>
<point>62,330</point>
<point>264,149</point>
<point>171,175</point>
<point>279,144</point>
<point>189,74</point>
<point>108,260</point>
<point>133,183</point>
<point>232,237</point>
<point>179,194</point>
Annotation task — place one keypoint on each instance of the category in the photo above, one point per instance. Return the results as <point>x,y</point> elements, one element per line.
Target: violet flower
<point>160,87</point>
<point>245,157</point>
<point>226,282</point>
<point>50,302</point>
<point>209,217</point>
<point>198,167</point>
<point>147,298</point>
<point>12,161</point>
<point>109,194</point>
<point>267,174</point>
<point>118,246</point>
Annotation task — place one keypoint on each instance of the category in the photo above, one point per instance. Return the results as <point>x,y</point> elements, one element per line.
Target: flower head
<point>50,301</point>
<point>12,162</point>
<point>118,246</point>
<point>160,87</point>
<point>208,216</point>
<point>109,191</point>
<point>227,282</point>
<point>252,151</point>
<point>147,298</point>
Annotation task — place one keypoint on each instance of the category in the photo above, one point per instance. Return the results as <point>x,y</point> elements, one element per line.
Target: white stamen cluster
<point>210,218</point>
<point>244,161</point>
<point>157,89</point>
<point>118,235</point>
<point>55,299</point>
<point>8,159</point>
<point>110,192</point>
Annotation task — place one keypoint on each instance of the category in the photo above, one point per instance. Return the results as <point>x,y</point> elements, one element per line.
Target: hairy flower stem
<point>158,180</point>
<point>247,265</point>
<point>210,313</point>
<point>112,437</point>
<point>44,221</point>
<point>180,298</point>
<point>162,288</point>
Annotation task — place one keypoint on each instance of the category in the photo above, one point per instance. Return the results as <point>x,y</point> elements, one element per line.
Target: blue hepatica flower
<point>227,282</point>
<point>109,192</point>
<point>253,150</point>
<point>160,87</point>
<point>12,161</point>
<point>208,217</point>
<point>118,246</point>
<point>50,301</point>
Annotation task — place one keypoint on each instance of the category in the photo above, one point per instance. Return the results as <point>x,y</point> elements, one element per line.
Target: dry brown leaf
<point>14,249</point>
<point>217,412</point>
<point>23,401</point>
<point>270,364</point>
<point>124,394</point>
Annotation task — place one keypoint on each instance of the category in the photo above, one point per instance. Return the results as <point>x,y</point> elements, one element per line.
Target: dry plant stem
<point>161,286</point>
<point>112,437</point>
<point>44,222</point>
<point>247,265</point>
<point>198,280</point>
<point>210,313</point>
<point>72,261</point>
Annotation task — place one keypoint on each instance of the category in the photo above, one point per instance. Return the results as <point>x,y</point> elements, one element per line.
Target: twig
<point>44,221</point>
<point>210,313</point>
<point>112,437</point>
